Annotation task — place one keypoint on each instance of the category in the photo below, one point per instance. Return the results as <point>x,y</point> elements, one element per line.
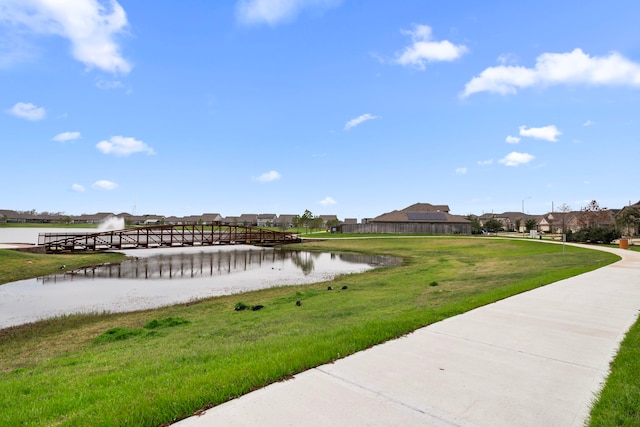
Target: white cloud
<point>424,49</point>
<point>514,159</point>
<point>103,184</point>
<point>512,139</point>
<point>90,26</point>
<point>109,84</point>
<point>273,12</point>
<point>123,146</point>
<point>269,176</point>
<point>66,136</point>
<point>588,123</point>
<point>549,133</point>
<point>574,67</point>
<point>507,58</point>
<point>461,171</point>
<point>27,110</point>
<point>485,162</point>
<point>327,201</point>
<point>358,120</point>
<point>78,188</point>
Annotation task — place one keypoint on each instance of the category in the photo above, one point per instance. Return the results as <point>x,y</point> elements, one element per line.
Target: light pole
<point>523,203</point>
<point>524,226</point>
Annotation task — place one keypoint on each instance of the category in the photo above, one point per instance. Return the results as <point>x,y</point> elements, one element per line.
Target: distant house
<point>329,219</point>
<point>350,221</point>
<point>248,219</point>
<point>558,222</point>
<point>266,220</point>
<point>630,229</point>
<point>93,219</point>
<point>419,218</point>
<point>231,220</point>
<point>210,218</point>
<point>10,216</point>
<point>173,220</point>
<point>285,221</point>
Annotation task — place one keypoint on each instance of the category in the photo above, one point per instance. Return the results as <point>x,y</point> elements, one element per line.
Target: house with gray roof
<point>248,219</point>
<point>266,220</point>
<point>419,218</point>
<point>285,221</point>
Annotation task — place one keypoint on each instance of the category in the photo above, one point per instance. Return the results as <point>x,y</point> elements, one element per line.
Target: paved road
<point>535,359</point>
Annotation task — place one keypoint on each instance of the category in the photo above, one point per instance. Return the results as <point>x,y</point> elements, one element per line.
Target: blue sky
<point>351,107</point>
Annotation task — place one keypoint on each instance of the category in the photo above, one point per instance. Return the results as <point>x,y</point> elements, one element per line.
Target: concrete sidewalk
<point>535,359</point>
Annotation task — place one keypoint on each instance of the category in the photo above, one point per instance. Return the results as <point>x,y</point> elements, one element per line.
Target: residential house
<point>329,219</point>
<point>628,220</point>
<point>558,222</point>
<point>285,221</point>
<point>248,219</point>
<point>211,218</point>
<point>419,218</point>
<point>266,220</point>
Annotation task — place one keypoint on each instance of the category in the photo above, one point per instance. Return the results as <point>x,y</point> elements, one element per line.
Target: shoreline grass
<point>618,403</point>
<point>17,265</point>
<point>60,372</point>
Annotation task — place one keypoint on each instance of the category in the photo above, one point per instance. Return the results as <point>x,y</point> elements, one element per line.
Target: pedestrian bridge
<point>165,236</point>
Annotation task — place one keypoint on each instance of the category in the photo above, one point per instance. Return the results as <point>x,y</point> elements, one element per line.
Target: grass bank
<point>16,265</point>
<point>157,366</point>
<point>619,401</point>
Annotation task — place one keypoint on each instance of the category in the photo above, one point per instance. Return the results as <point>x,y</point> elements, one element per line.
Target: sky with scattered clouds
<point>335,106</point>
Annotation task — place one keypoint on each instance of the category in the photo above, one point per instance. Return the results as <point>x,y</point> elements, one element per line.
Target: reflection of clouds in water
<point>163,277</point>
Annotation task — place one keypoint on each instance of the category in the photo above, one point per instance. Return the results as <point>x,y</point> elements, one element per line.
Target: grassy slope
<point>619,401</point>
<point>16,265</point>
<point>55,373</point>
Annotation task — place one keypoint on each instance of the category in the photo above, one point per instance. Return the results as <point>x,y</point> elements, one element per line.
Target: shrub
<point>595,234</point>
<point>117,334</point>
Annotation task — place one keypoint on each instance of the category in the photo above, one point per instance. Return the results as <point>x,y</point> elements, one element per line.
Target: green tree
<point>296,221</point>
<point>530,224</point>
<point>333,223</point>
<point>476,227</point>
<point>305,219</point>
<point>316,223</point>
<point>628,219</point>
<point>493,225</point>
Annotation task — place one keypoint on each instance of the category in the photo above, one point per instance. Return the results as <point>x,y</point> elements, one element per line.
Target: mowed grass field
<point>153,367</point>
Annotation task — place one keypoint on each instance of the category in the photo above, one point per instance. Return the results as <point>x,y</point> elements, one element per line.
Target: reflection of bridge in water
<point>180,265</point>
<point>210,263</point>
<point>165,236</point>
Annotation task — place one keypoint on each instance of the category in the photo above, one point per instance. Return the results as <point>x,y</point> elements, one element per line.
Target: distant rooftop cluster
<point>262,220</point>
<point>419,218</point>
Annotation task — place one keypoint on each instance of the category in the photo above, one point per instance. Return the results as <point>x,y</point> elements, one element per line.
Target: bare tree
<point>564,209</point>
<point>592,215</point>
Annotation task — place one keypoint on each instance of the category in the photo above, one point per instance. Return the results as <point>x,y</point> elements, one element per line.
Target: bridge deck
<point>165,236</point>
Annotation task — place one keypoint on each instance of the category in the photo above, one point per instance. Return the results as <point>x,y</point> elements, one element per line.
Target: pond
<point>161,277</point>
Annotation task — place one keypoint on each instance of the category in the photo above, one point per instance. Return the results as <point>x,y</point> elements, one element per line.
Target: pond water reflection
<point>159,277</point>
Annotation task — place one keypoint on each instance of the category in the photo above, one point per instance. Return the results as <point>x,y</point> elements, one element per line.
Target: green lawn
<point>16,265</point>
<point>153,367</point>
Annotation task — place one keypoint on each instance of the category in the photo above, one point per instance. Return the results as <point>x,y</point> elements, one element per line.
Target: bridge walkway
<point>165,236</point>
